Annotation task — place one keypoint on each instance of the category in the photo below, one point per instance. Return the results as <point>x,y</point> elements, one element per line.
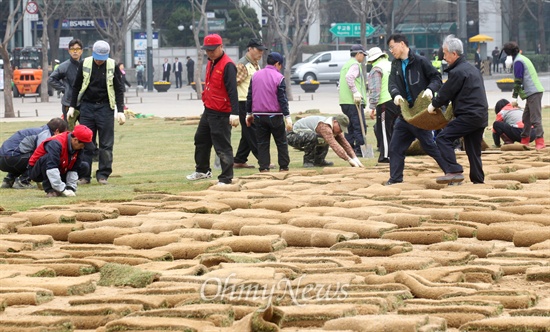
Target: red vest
<point>65,164</point>
<point>215,96</point>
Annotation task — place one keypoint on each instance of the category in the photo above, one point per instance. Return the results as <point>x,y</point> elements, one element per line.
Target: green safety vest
<point>384,64</point>
<point>87,71</point>
<point>531,82</point>
<point>346,96</point>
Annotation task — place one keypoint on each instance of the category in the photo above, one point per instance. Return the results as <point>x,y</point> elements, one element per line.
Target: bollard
<point>18,114</point>
<point>22,99</point>
<point>178,97</point>
<point>36,111</point>
<point>191,96</point>
<point>311,97</point>
<point>299,98</point>
<point>126,100</point>
<point>35,99</point>
<point>141,100</point>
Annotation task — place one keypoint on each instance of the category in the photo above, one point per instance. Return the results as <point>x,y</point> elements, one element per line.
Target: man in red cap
<point>221,111</point>
<point>57,161</point>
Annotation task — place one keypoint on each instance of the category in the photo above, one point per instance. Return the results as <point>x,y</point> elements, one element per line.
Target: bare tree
<point>8,72</point>
<point>116,16</point>
<point>55,32</point>
<point>366,10</point>
<point>538,17</point>
<point>394,14</point>
<point>46,10</point>
<point>290,21</point>
<point>199,16</point>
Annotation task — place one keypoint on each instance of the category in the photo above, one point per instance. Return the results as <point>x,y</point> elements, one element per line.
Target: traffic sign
<point>351,30</point>
<point>32,7</point>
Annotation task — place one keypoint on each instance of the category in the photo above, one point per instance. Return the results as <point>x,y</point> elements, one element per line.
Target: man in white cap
<point>100,99</point>
<point>380,101</point>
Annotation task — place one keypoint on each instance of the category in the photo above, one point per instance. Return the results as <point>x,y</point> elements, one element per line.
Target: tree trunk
<point>8,91</point>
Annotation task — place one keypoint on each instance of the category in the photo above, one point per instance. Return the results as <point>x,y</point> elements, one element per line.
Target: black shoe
<point>324,163</point>
<point>389,183</point>
<point>450,178</point>
<point>8,182</point>
<point>384,161</point>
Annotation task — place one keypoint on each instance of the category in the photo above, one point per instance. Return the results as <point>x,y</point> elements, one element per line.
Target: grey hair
<point>453,44</point>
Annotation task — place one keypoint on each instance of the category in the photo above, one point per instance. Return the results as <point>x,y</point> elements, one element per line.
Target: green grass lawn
<point>152,155</point>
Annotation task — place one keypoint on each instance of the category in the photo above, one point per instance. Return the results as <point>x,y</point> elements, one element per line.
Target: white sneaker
<point>222,184</point>
<point>198,175</point>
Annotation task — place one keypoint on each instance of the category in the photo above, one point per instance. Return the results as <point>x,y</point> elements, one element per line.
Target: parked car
<point>322,66</point>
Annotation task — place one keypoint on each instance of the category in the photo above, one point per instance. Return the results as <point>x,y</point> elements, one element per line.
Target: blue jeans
<point>404,134</point>
<point>99,118</point>
<point>354,135</point>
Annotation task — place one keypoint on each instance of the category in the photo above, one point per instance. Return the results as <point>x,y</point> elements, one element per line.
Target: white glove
<point>514,102</point>
<point>431,109</point>
<point>357,98</point>
<point>353,162</point>
<point>234,120</point>
<point>397,100</point>
<point>68,193</point>
<point>428,93</point>
<point>358,162</point>
<point>288,123</point>
<point>70,113</point>
<point>120,117</point>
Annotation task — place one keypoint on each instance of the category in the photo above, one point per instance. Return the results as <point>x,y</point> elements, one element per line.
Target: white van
<point>322,66</point>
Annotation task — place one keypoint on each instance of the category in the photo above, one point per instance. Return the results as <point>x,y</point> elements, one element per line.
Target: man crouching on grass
<point>57,161</point>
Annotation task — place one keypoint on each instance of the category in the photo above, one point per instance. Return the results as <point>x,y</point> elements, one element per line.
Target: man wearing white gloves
<point>100,100</point>
<point>314,135</point>
<point>267,108</point>
<point>221,111</point>
<point>353,95</point>
<point>410,74</point>
<point>58,160</point>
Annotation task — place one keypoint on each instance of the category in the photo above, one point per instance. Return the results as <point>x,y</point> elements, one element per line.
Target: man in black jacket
<point>465,90</point>
<point>63,77</point>
<point>410,75</point>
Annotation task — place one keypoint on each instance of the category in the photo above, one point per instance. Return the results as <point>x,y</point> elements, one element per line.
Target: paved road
<point>183,102</point>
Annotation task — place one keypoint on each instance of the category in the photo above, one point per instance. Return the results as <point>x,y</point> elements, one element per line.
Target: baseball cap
<point>211,42</point>
<point>358,48</point>
<point>257,43</point>
<point>343,121</point>
<point>56,61</point>
<point>375,53</point>
<point>101,50</point>
<point>83,134</point>
<point>277,57</point>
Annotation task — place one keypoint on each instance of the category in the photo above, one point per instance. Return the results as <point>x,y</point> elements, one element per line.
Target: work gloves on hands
<point>354,162</point>
<point>68,193</point>
<point>120,117</point>
<point>431,109</point>
<point>357,98</point>
<point>234,120</point>
<point>428,93</point>
<point>70,113</point>
<point>397,100</point>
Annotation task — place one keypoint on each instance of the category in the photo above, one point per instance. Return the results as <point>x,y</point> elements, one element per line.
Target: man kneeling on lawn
<point>57,161</point>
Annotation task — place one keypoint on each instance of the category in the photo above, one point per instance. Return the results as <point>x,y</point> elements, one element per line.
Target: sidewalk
<point>183,102</point>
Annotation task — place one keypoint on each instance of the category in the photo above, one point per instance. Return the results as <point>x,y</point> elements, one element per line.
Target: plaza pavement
<point>183,102</point>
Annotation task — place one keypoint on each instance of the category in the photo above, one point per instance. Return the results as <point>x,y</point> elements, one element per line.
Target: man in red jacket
<point>57,161</point>
<point>221,111</point>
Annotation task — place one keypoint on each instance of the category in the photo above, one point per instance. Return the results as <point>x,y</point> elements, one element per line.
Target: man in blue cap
<point>267,107</point>
<point>100,99</point>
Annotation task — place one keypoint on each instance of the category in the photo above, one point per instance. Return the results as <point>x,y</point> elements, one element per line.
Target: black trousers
<point>386,114</point>
<point>190,78</point>
<point>512,133</point>
<point>38,173</point>
<point>354,135</point>
<point>178,79</point>
<point>214,130</point>
<point>15,166</point>
<point>473,135</point>
<point>248,142</point>
<point>266,126</point>
<point>166,76</point>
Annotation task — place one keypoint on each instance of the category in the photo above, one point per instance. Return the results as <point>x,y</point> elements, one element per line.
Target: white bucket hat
<point>375,53</point>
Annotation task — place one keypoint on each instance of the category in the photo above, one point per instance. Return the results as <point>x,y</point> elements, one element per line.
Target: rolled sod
<point>200,234</point>
<point>221,315</point>
<point>420,235</point>
<point>123,275</point>
<point>59,232</point>
<point>526,238</point>
<point>252,243</point>
<point>157,324</point>
<point>374,247</point>
<point>25,295</point>
<point>60,286</point>
<point>146,240</point>
<point>99,235</point>
<point>507,324</point>
<point>11,224</point>
<point>388,322</point>
<point>36,241</point>
<point>47,217</point>
<point>35,323</point>
<point>189,249</point>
